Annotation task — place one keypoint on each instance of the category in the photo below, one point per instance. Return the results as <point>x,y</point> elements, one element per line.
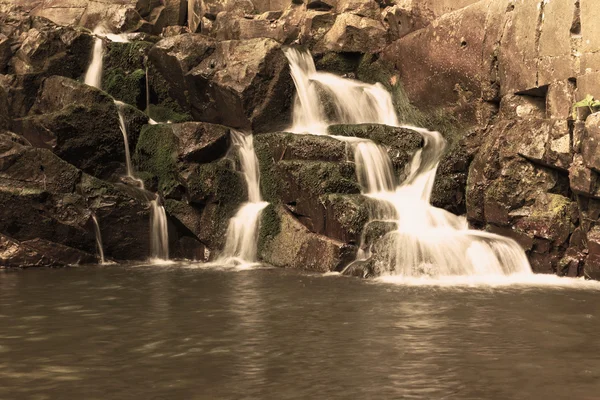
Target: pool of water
<point>177,332</point>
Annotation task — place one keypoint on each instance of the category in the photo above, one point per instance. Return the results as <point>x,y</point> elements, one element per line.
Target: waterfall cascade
<point>240,244</point>
<point>98,240</point>
<point>428,241</point>
<point>125,138</point>
<point>159,234</point>
<point>93,75</point>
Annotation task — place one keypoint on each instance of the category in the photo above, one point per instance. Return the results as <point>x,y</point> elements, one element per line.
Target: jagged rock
<point>315,25</point>
<point>243,84</point>
<point>402,19</point>
<point>550,217</point>
<point>285,242</point>
<point>353,33</point>
<point>216,182</point>
<point>5,53</point>
<point>322,5</point>
<point>144,7</point>
<point>42,48</point>
<point>169,152</point>
<point>232,26</point>
<point>368,8</point>
<point>500,180</point>
<point>172,59</point>
<point>39,253</point>
<point>5,120</point>
<point>582,179</point>
<point>81,125</point>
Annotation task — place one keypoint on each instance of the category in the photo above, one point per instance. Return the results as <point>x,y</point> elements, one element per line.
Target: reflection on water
<point>181,333</point>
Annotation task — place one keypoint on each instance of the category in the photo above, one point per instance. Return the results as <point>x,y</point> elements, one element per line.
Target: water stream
<point>240,244</point>
<point>428,241</point>
<point>159,233</point>
<point>98,240</point>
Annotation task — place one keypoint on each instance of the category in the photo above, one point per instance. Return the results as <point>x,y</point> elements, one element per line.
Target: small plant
<point>587,102</point>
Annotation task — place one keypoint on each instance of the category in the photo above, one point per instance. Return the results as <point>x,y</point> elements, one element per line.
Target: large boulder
<point>243,84</point>
<point>81,125</point>
<point>354,34</point>
<point>285,242</point>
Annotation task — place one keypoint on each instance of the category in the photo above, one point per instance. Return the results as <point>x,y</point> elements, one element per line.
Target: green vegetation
<point>589,102</point>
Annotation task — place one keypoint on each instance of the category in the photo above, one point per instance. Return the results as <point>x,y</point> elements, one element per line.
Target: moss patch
<point>156,153</point>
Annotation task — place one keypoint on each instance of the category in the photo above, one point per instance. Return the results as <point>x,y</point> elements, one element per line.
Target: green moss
<point>320,177</point>
<point>338,63</point>
<point>270,227</point>
<point>160,96</point>
<point>217,182</point>
<point>165,114</point>
<point>270,181</point>
<point>156,153</point>
<point>128,88</point>
<point>126,56</point>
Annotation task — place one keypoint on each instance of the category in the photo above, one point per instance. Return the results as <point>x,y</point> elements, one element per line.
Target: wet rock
<point>515,106</point>
<point>285,242</point>
<point>201,142</point>
<point>215,182</point>
<point>80,124</point>
<point>550,217</point>
<point>315,26</point>
<point>243,84</point>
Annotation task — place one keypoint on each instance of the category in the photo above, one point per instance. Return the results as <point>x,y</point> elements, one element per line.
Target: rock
<point>589,145</point>
<point>80,124</point>
<point>368,8</point>
<point>582,179</point>
<point>215,182</point>
<point>550,217</point>
<point>5,53</point>
<point>42,48</point>
<point>290,146</point>
<point>353,33</point>
<point>402,19</point>
<point>5,120</point>
<point>559,99</point>
<point>314,26</point>
<point>124,72</point>
<point>285,242</point>
<point>144,7</point>
<point>243,84</point>
<point>165,151</point>
<point>232,26</point>
<point>174,57</point>
<point>514,106</point>
<point>450,62</point>
<point>201,142</point>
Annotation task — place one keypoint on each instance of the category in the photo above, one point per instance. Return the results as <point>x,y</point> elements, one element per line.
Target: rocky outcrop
<point>81,125</point>
<point>243,84</point>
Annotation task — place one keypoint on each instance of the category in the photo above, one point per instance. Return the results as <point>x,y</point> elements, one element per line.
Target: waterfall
<point>125,138</point>
<point>241,238</point>
<point>93,76</point>
<point>98,239</point>
<point>159,234</point>
<point>428,241</point>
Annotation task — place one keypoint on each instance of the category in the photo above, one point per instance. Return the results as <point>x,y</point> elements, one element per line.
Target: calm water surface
<point>151,332</point>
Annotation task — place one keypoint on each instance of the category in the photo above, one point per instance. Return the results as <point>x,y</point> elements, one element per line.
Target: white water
<point>241,240</point>
<point>98,240</point>
<point>159,234</point>
<point>93,76</point>
<point>125,138</point>
<point>429,242</point>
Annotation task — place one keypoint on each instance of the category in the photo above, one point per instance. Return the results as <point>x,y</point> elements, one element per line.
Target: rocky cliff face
<point>498,78</point>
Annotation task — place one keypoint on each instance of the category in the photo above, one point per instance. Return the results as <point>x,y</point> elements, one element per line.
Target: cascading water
<point>125,138</point>
<point>93,75</point>
<point>428,241</point>
<point>159,233</point>
<point>240,244</point>
<point>98,240</point>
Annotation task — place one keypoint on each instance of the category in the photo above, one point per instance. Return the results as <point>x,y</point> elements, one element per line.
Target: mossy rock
<point>216,182</point>
<point>339,63</point>
<point>129,88</point>
<point>166,114</point>
<point>319,177</point>
<point>156,153</point>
